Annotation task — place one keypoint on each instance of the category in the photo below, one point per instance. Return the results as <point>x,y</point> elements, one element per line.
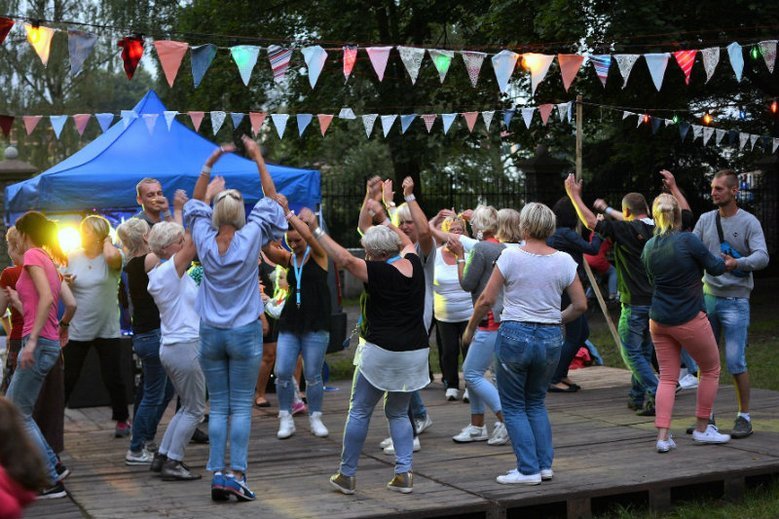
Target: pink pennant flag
<point>170,54</point>
<point>81,121</point>
<point>350,56</point>
<point>429,120</point>
<point>470,119</point>
<point>256,118</point>
<point>545,111</point>
<point>569,67</point>
<point>30,122</point>
<point>197,118</point>
<point>324,122</point>
<point>473,62</point>
<point>379,57</point>
<point>685,59</point>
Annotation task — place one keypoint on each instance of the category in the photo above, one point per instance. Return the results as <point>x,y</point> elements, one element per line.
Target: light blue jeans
<point>313,346</point>
<point>480,357</point>
<point>157,389</point>
<point>364,398</point>
<point>24,390</point>
<point>230,359</point>
<point>730,316</point>
<point>526,356</point>
<point>637,351</point>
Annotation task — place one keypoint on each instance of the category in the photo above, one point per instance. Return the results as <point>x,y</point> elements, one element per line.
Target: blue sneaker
<point>238,488</point>
<point>218,491</point>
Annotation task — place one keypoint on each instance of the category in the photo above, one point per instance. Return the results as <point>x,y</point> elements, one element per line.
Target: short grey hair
<point>380,240</point>
<point>163,234</point>
<point>509,226</point>
<point>537,221</point>
<point>132,233</point>
<point>229,209</point>
<point>484,219</point>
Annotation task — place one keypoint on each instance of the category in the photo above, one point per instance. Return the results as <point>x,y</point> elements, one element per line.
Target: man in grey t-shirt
<point>727,296</point>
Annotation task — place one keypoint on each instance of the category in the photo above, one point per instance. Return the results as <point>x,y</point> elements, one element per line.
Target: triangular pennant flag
<point>743,138</point>
<point>685,59</point>
<point>324,122</point>
<point>503,63</point>
<point>538,65</point>
<point>487,116</point>
<point>350,56</point>
<point>766,141</point>
<point>104,120</point>
<point>447,119</point>
<point>442,59</point>
<point>151,121</point>
<point>81,120</point>
<point>237,118</point>
<point>720,134</point>
<point>569,67</point>
<point>201,57</point>
<point>710,60</point>
<point>217,120</point>
<point>303,121</point>
<point>429,120</point>
<point>642,119</point>
<point>197,118</point>
<point>657,64</point>
<point>279,61</point>
<point>315,58</point>
<point>379,57</point>
<point>707,133</point>
<point>80,45</point>
<point>625,63</point>
<point>753,140</point>
<point>57,123</point>
<point>256,118</point>
<point>170,54</point>
<point>668,122</point>
<point>128,116</point>
<point>775,145</point>
<point>368,121</point>
<point>132,52</point>
<point>30,122</point>
<point>563,111</point>
<point>412,59</point>
<point>767,49</point>
<point>601,63</point>
<point>386,123</point>
<point>5,27</point>
<point>280,122</point>
<point>732,137</point>
<point>684,128</point>
<point>40,39</point>
<point>736,59</point>
<point>470,119</point>
<point>544,111</point>
<point>656,122</point>
<point>527,115</point>
<point>626,114</point>
<point>473,62</point>
<point>507,116</point>
<point>405,122</point>
<point>245,57</point>
<point>6,121</point>
<point>347,113</point>
<point>170,115</point>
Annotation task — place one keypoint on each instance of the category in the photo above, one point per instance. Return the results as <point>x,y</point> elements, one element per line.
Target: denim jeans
<point>576,332</point>
<point>157,389</point>
<point>637,351</point>
<point>730,316</point>
<point>23,393</point>
<point>526,355</point>
<point>313,346</point>
<point>230,359</point>
<point>689,362</point>
<point>479,359</point>
<point>364,398</point>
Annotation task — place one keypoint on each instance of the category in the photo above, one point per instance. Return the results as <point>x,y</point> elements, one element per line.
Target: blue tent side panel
<point>103,174</point>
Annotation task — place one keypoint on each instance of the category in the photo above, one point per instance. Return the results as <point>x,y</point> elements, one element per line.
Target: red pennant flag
<point>544,111</point>
<point>256,118</point>
<point>470,119</point>
<point>429,120</point>
<point>350,56</point>
<point>170,54</point>
<point>132,51</point>
<point>569,67</point>
<point>30,122</point>
<point>686,59</point>
<point>324,122</point>
<point>5,28</point>
<point>81,121</point>
<point>197,118</point>
<point>6,121</point>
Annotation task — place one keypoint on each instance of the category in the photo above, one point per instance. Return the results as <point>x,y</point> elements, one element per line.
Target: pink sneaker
<point>299,407</point>
<point>123,430</point>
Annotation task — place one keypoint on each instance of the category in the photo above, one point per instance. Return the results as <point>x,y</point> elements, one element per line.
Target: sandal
<point>261,403</point>
<point>555,389</point>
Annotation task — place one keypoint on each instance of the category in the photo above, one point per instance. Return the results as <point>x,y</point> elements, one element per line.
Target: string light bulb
<point>675,119</point>
<point>755,52</point>
<point>646,118</point>
<point>531,61</point>
<point>774,107</point>
<point>706,119</point>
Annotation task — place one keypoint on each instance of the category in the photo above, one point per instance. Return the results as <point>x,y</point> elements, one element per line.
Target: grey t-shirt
<point>478,270</point>
<point>428,266</point>
<point>95,289</point>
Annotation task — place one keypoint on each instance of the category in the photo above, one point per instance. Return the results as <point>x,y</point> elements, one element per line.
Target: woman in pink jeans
<point>674,262</point>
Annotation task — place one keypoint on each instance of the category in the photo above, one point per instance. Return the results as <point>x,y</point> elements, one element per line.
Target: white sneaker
<point>452,394</point>
<point>466,397</point>
<point>664,446</point>
<point>547,474</point>
<point>423,424</point>
<point>515,477</point>
<point>286,425</point>
<point>688,382</point>
<point>472,433</point>
<point>386,442</point>
<point>710,435</point>
<point>389,450</point>
<point>500,435</point>
<point>142,457</point>
<point>318,429</point>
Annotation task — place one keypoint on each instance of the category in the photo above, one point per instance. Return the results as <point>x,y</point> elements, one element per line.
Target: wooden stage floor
<point>604,454</point>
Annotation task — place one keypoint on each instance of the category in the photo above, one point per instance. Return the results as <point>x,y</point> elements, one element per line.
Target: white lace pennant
<point>473,62</point>
<point>625,64</point>
<point>710,60</point>
<point>412,59</point>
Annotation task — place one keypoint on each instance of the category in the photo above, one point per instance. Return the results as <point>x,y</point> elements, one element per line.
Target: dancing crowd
<point>217,303</point>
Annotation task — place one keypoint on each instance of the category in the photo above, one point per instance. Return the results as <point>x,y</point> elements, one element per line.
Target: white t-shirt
<point>533,284</point>
<point>451,303</point>
<point>95,288</point>
<point>175,297</point>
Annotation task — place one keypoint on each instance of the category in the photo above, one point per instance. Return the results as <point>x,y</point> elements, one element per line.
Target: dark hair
<point>42,232</point>
<point>636,203</point>
<point>18,455</point>
<point>565,213</point>
<point>731,176</point>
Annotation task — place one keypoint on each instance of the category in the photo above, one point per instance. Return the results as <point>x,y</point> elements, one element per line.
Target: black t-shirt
<point>146,316</point>
<point>393,306</point>
<point>315,307</point>
<point>629,239</point>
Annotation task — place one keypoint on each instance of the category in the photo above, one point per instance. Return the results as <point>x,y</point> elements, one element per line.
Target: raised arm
<point>601,205</point>
<point>302,224</point>
<point>112,255</point>
<point>669,182</point>
<point>424,236</point>
<point>205,174</point>
<point>253,151</point>
<point>183,258</point>
<point>341,257</point>
<point>574,190</point>
<point>372,192</point>
<point>277,254</point>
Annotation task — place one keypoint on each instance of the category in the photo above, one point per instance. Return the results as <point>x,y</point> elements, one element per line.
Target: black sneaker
<point>712,421</point>
<point>157,462</point>
<point>742,428</point>
<point>648,410</point>
<point>635,406</point>
<point>56,492</point>
<point>174,470</point>
<point>62,471</point>
<point>199,437</point>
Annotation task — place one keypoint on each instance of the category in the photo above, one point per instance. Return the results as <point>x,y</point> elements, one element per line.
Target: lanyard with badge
<point>299,273</point>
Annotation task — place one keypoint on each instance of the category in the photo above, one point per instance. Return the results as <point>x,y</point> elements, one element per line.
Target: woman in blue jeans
<point>533,278</point>
<point>228,302</point>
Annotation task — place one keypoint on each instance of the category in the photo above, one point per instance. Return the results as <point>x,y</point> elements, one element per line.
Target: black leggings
<point>110,353</point>
<point>449,348</point>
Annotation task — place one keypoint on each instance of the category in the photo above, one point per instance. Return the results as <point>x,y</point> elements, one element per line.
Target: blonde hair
<point>132,233</point>
<point>229,209</point>
<point>403,213</point>
<point>162,235</point>
<point>14,239</point>
<point>446,225</point>
<point>484,219</point>
<point>537,221</point>
<point>667,214</point>
<point>98,225</point>
<point>509,226</point>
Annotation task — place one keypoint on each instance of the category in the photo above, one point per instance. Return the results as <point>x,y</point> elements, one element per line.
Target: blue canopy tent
<point>102,176</point>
